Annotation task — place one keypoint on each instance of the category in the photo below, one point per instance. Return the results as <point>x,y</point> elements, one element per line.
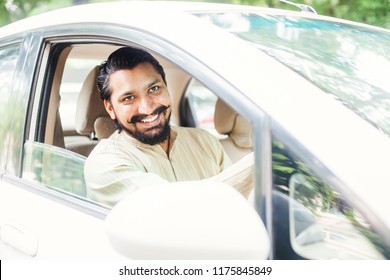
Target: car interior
<point>80,117</point>
<point>72,118</point>
<point>92,123</point>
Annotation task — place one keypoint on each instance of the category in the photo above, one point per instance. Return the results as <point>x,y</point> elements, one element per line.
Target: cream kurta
<point>121,164</point>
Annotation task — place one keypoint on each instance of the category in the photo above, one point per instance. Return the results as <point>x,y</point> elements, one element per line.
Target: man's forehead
<point>142,69</point>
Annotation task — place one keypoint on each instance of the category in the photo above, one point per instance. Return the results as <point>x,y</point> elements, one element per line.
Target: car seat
<point>92,119</point>
<point>239,131</point>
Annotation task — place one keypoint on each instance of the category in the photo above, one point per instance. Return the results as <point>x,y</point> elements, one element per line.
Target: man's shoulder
<point>109,145</point>
<point>192,131</point>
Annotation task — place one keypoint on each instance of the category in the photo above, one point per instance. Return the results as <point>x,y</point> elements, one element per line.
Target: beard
<point>163,129</point>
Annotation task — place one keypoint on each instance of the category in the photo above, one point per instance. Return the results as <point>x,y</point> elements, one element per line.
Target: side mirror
<point>187,220</point>
<point>304,228</point>
<point>324,226</point>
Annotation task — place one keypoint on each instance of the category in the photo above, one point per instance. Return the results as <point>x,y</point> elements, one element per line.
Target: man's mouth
<point>150,119</point>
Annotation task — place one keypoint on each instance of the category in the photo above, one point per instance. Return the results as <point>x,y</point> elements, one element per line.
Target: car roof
<point>113,12</point>
<point>126,12</point>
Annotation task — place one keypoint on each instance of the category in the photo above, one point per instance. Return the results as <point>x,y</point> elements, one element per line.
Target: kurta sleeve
<point>111,176</point>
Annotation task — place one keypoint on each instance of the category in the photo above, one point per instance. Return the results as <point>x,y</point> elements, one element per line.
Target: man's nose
<point>146,105</point>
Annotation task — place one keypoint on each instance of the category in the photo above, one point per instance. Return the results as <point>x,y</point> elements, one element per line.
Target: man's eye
<point>154,88</point>
<point>128,98</point>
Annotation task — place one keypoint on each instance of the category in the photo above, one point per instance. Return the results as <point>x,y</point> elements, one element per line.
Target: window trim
<point>20,97</point>
<point>245,107</point>
<point>10,97</point>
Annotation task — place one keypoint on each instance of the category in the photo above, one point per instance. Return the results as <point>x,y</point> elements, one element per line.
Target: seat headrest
<point>224,117</point>
<point>89,105</point>
<point>228,122</point>
<point>104,127</point>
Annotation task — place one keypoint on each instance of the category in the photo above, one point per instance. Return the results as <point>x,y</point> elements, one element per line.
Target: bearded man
<point>145,149</point>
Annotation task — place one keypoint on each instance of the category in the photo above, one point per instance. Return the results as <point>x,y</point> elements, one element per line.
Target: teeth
<point>150,119</point>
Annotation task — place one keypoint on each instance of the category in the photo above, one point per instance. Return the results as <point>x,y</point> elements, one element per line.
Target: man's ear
<point>109,109</point>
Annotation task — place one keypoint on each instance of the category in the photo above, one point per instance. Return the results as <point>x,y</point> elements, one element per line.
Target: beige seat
<point>239,131</point>
<point>92,119</point>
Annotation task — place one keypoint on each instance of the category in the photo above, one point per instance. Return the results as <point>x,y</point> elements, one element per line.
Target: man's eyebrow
<point>152,83</point>
<point>126,93</point>
<point>155,81</point>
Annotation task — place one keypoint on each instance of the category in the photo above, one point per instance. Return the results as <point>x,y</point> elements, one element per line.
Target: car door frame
<point>35,47</point>
<point>127,36</point>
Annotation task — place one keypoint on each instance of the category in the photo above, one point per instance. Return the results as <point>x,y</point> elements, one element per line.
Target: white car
<point>309,95</point>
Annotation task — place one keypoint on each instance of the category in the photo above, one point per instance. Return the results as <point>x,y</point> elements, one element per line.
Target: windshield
<point>350,62</point>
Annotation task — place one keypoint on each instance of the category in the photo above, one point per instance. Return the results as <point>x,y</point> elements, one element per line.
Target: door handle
<point>20,238</point>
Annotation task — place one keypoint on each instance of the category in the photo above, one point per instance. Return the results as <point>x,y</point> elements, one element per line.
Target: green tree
<point>12,10</point>
<point>375,12</point>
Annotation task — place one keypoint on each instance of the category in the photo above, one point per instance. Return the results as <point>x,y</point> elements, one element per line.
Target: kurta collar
<point>137,143</point>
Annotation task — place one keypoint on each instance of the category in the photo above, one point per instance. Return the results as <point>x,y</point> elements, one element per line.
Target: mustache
<point>140,117</point>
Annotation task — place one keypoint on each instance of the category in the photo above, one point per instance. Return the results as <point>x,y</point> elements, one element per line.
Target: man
<point>145,149</point>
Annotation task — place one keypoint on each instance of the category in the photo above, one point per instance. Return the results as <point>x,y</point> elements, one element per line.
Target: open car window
<point>65,137</point>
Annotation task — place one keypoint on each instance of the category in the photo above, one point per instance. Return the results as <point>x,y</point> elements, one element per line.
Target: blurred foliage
<point>12,10</point>
<point>375,12</point>
<point>285,165</point>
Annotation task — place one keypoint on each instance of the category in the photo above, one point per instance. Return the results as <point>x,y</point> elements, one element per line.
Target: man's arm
<point>109,178</point>
<point>239,175</point>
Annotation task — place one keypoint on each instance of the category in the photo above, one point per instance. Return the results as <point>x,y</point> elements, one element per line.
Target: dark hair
<point>123,58</point>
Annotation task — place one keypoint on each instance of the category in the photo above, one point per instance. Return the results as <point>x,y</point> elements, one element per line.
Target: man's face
<point>140,103</point>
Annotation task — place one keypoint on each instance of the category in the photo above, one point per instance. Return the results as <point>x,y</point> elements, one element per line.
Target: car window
<point>8,59</point>
<point>201,102</point>
<point>75,72</point>
<point>55,157</point>
<point>47,159</point>
<point>54,167</point>
<point>314,220</point>
<point>215,115</point>
<point>329,54</point>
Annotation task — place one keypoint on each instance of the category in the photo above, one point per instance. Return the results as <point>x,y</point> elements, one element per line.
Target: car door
<point>311,215</point>
<point>314,215</point>
<point>38,221</point>
<point>11,61</point>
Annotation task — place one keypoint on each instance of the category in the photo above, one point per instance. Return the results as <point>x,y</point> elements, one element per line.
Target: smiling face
<point>140,103</point>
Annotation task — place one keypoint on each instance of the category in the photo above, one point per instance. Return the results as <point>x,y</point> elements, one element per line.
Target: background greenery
<point>375,12</point>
